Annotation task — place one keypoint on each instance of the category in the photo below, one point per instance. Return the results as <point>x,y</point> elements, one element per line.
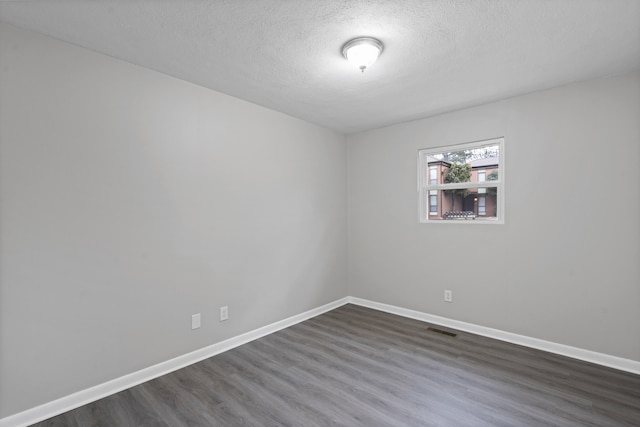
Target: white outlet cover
<point>224,313</point>
<point>195,321</point>
<point>448,295</point>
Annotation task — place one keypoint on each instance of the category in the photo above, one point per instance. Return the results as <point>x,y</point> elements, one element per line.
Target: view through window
<point>462,182</point>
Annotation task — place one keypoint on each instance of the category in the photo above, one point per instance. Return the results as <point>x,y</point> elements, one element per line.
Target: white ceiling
<point>439,55</point>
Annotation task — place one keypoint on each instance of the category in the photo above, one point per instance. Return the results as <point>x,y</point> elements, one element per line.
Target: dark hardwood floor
<point>355,366</point>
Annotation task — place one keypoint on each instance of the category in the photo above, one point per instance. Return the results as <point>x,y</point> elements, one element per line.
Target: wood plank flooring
<point>355,366</point>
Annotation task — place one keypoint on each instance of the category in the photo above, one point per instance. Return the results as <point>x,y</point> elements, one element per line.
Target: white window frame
<point>424,187</point>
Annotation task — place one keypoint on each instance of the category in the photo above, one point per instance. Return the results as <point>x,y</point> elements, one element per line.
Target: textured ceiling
<point>439,55</point>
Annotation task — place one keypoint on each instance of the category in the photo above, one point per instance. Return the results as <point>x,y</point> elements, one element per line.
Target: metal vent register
<point>440,331</point>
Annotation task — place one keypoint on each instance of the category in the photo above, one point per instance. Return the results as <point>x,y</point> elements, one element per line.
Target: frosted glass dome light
<point>362,51</point>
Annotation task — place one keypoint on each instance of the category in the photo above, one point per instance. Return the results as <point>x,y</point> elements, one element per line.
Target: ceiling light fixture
<point>362,51</point>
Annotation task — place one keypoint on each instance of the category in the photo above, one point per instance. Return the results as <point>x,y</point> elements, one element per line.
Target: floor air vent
<point>440,331</point>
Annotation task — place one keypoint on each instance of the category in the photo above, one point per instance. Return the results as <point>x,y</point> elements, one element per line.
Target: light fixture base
<point>362,51</point>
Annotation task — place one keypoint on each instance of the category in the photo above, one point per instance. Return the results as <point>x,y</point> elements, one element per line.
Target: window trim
<point>424,187</point>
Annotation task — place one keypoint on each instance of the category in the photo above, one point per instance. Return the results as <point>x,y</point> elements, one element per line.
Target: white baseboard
<point>75,400</point>
<point>615,362</point>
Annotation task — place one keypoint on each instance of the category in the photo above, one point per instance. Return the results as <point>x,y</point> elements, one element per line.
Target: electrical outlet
<point>195,321</point>
<point>448,295</point>
<point>224,313</point>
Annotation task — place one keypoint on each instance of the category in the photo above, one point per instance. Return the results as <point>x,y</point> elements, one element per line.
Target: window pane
<point>470,165</point>
<point>477,157</point>
<point>464,204</point>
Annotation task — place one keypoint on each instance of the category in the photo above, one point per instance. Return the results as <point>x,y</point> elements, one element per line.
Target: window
<point>462,183</point>
<point>433,202</point>
<point>433,174</point>
<point>482,174</point>
<point>482,205</point>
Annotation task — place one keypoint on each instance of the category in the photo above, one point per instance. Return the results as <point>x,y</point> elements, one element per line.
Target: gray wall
<point>564,267</point>
<point>131,200</point>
